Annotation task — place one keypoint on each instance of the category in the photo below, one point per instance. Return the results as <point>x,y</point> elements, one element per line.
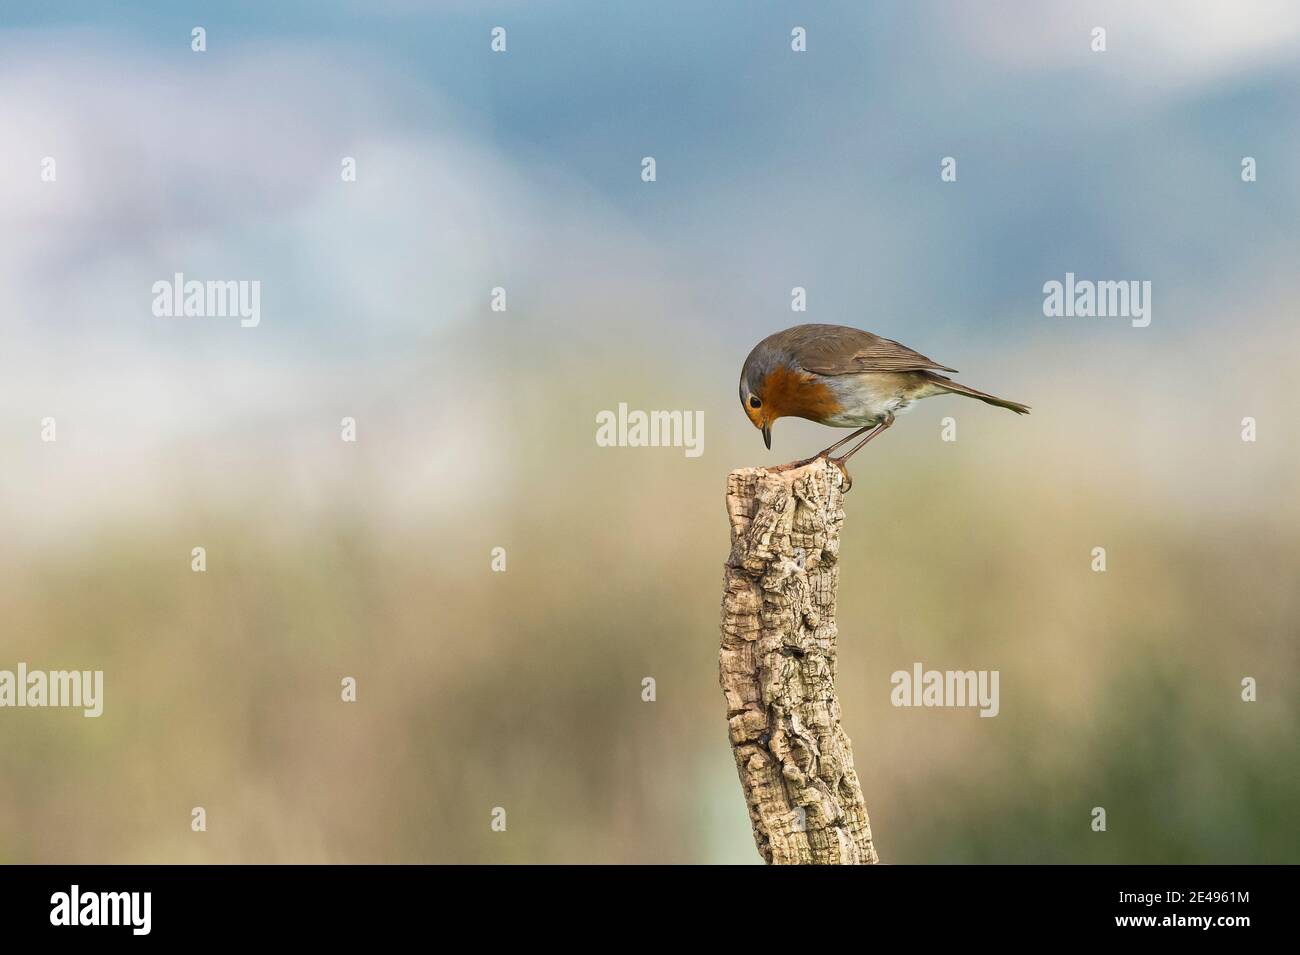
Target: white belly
<point>866,400</point>
<point>869,413</point>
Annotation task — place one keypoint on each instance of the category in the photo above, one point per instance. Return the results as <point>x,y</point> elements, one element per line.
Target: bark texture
<point>777,666</point>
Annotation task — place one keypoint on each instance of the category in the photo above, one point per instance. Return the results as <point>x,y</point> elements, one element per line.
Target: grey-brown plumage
<point>840,350</point>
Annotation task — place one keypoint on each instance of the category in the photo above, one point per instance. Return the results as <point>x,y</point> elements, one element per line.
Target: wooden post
<point>777,666</point>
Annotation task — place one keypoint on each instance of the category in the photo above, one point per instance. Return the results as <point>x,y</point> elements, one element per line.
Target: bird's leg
<point>839,443</point>
<point>842,461</point>
<point>822,454</point>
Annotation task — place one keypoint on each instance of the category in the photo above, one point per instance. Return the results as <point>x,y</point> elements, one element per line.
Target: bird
<point>845,378</point>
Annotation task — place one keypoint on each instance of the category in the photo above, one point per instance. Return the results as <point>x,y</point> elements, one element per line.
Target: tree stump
<point>777,666</point>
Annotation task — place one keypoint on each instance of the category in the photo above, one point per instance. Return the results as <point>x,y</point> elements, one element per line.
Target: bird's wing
<point>845,351</point>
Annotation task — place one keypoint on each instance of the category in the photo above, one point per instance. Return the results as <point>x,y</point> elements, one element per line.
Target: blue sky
<point>775,169</point>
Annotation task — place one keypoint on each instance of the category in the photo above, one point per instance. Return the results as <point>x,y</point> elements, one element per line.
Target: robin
<point>842,377</point>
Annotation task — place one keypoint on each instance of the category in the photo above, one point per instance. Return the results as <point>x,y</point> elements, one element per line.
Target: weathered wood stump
<point>777,666</point>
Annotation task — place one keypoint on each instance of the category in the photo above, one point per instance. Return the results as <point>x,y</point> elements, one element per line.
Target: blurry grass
<point>522,689</point>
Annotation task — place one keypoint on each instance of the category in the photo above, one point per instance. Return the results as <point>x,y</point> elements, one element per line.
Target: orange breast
<point>797,394</point>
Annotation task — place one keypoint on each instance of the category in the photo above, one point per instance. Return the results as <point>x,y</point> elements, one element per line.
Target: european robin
<point>845,378</point>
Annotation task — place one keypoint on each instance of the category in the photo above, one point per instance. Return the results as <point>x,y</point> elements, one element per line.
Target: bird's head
<point>755,378</point>
<point>774,385</point>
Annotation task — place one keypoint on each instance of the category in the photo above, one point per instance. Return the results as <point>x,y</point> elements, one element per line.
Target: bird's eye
<point>754,402</point>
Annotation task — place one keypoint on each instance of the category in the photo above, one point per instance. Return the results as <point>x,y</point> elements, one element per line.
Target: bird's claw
<point>844,470</point>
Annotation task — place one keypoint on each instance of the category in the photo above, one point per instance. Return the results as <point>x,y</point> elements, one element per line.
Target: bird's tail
<point>947,384</point>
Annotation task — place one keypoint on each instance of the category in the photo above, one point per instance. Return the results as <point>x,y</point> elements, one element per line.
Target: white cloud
<point>1162,42</point>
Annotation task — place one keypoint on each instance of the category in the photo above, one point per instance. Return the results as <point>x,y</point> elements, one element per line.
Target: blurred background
<point>475,428</point>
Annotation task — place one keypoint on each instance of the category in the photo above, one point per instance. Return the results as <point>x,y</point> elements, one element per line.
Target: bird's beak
<point>767,435</point>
